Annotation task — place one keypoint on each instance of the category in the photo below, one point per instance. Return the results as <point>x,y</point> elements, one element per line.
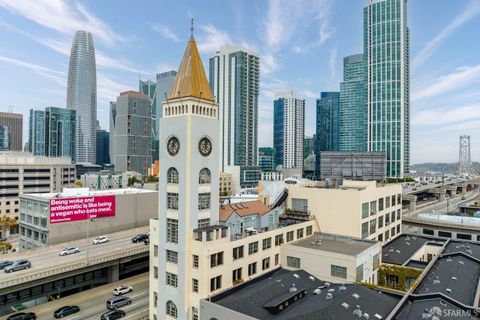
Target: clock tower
<point>188,181</point>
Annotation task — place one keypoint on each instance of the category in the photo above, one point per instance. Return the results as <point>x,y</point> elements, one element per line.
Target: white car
<point>122,290</point>
<point>69,250</point>
<point>101,239</point>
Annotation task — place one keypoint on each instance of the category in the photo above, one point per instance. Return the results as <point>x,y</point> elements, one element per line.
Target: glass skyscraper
<point>36,132</point>
<point>386,51</point>
<point>328,124</point>
<point>82,95</point>
<point>234,80</point>
<point>60,124</point>
<point>353,105</point>
<point>149,88</point>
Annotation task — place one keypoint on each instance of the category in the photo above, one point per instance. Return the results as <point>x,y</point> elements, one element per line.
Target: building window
<point>277,256</point>
<point>299,233</point>
<point>387,219</point>
<point>387,202</point>
<point>203,201</point>
<point>266,243</point>
<point>155,299</point>
<point>393,201</point>
<point>252,269</point>
<point>203,223</point>
<point>293,262</point>
<point>215,283</point>
<point>172,200</point>
<point>253,247</point>
<point>171,309</point>
<point>338,271</point>
<point>300,205</point>
<point>393,216</point>
<point>278,240</point>
<point>380,204</point>
<point>365,211</point>
<point>194,313</point>
<point>216,259</point>
<point>289,236</point>
<point>172,280</point>
<point>172,256</point>
<point>380,222</point>
<point>204,177</point>
<point>236,275</point>
<point>399,214</point>
<point>195,261</point>
<point>155,250</point>
<point>172,176</point>
<point>380,237</point>
<point>266,263</point>
<point>373,226</point>
<point>172,230</point>
<point>359,276</point>
<point>237,253</point>
<point>155,272</point>
<point>364,230</point>
<point>195,285</point>
<point>373,208</point>
<point>398,228</point>
<point>399,198</point>
<point>309,230</point>
<point>376,262</point>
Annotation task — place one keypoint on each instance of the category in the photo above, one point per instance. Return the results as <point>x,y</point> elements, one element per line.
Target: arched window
<point>204,177</point>
<point>172,175</point>
<point>171,309</point>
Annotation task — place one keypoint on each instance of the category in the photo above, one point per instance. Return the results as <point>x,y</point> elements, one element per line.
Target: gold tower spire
<point>191,80</point>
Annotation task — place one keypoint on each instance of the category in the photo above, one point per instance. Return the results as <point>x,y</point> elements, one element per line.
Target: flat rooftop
<point>468,248</point>
<point>85,192</point>
<point>402,248</point>
<point>426,309</point>
<point>335,243</point>
<point>455,276</point>
<point>253,297</point>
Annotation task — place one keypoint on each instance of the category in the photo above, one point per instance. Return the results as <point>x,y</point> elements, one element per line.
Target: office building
<point>266,159</point>
<point>36,132</point>
<point>328,125</point>
<point>111,140</point>
<point>149,88</point>
<point>353,105</point>
<point>82,95</point>
<point>11,131</point>
<point>24,173</point>
<point>164,85</point>
<point>288,130</point>
<point>107,180</point>
<point>234,81</point>
<point>103,145</point>
<point>122,209</point>
<point>133,133</point>
<point>337,166</point>
<point>386,50</point>
<point>309,146</point>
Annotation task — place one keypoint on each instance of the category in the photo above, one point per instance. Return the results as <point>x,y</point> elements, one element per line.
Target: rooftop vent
<point>443,303</point>
<point>342,288</point>
<point>329,296</point>
<point>379,317</point>
<point>448,290</point>
<point>311,278</point>
<point>292,288</point>
<point>296,276</point>
<point>331,290</point>
<point>449,259</point>
<point>357,311</point>
<point>356,296</point>
<point>317,291</point>
<point>454,278</point>
<point>366,316</point>
<point>327,284</point>
<point>426,314</point>
<point>407,243</point>
<point>436,281</point>
<point>461,262</point>
<point>345,305</point>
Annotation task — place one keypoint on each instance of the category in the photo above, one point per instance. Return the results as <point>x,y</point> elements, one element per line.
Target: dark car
<point>66,311</point>
<point>112,315</point>
<point>18,265</point>
<point>5,263</point>
<point>23,316</point>
<point>146,241</point>
<point>140,238</point>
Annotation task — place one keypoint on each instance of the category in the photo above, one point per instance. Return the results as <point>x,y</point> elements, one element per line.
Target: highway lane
<point>48,257</point>
<point>92,302</point>
<point>441,207</point>
<point>420,188</point>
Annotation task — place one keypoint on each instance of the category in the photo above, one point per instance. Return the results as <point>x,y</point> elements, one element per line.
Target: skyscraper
<point>149,88</point>
<point>386,51</point>
<point>164,85</point>
<point>328,126</point>
<point>60,125</point>
<point>103,140</point>
<point>234,81</point>
<point>11,131</point>
<point>112,121</point>
<point>82,95</point>
<point>266,158</point>
<point>353,105</point>
<point>288,130</point>
<point>36,132</point>
<point>133,123</point>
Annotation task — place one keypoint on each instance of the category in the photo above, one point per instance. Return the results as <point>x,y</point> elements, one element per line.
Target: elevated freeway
<point>52,275</point>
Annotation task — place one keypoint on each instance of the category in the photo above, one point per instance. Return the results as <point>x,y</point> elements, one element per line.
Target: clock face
<point>173,145</point>
<point>205,146</point>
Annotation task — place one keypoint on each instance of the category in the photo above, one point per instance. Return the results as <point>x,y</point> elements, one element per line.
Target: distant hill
<point>440,167</point>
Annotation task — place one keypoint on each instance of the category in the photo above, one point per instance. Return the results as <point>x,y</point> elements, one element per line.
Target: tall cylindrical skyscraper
<point>82,95</point>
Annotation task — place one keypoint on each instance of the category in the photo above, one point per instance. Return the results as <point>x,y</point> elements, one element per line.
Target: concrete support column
<point>440,193</point>
<point>412,201</point>
<point>464,187</point>
<point>113,273</point>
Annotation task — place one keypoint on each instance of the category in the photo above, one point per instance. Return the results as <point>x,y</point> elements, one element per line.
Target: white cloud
<point>332,63</point>
<point>429,49</point>
<point>58,76</point>
<point>461,77</point>
<point>63,17</point>
<point>268,63</point>
<point>212,39</point>
<point>441,116</point>
<point>108,89</point>
<point>165,32</point>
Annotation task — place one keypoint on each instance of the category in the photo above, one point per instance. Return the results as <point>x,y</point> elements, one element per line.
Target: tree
<point>133,180</point>
<point>6,223</point>
<point>5,246</point>
<point>152,179</point>
<point>79,183</point>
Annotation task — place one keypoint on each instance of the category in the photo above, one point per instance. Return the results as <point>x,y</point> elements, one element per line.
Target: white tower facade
<point>188,181</point>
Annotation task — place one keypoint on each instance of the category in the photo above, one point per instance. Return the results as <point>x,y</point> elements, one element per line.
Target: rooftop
<point>85,192</point>
<point>243,209</point>
<point>335,243</point>
<point>455,276</point>
<point>322,300</point>
<point>415,309</point>
<point>469,248</point>
<point>400,250</point>
<point>15,158</point>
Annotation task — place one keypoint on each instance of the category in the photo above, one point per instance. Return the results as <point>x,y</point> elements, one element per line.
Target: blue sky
<point>301,44</point>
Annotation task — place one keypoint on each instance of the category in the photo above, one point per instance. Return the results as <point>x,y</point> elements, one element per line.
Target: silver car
<point>69,250</point>
<point>18,265</point>
<point>101,239</point>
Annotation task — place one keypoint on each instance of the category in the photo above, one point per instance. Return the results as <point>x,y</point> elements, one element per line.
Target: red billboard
<point>83,208</point>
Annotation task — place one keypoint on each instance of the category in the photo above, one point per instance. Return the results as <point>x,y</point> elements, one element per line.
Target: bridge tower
<point>465,166</point>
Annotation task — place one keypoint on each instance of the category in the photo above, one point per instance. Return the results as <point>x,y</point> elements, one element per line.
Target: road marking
<point>133,315</point>
<point>138,295</point>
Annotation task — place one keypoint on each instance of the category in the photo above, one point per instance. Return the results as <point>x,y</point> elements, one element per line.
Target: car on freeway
<point>101,239</point>
<point>140,238</point>
<point>5,263</point>
<point>117,302</point>
<point>414,189</point>
<point>112,315</point>
<point>18,265</point>
<point>118,291</point>
<point>66,311</point>
<point>69,250</point>
<point>146,241</point>
<point>23,316</point>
